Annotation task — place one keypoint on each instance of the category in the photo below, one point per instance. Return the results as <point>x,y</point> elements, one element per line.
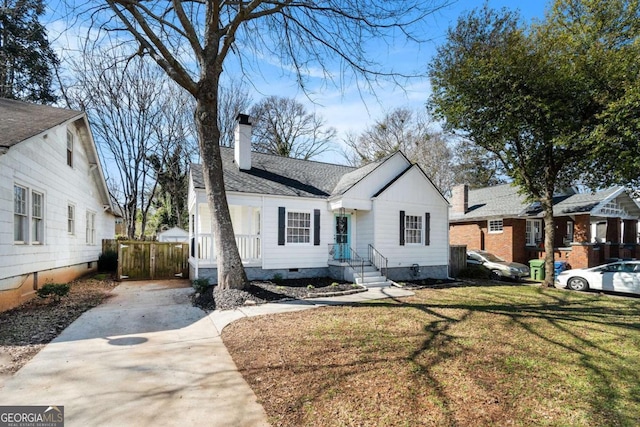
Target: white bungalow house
<point>54,205</point>
<point>296,218</point>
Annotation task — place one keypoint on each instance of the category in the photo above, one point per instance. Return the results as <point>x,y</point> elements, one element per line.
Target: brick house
<point>590,227</point>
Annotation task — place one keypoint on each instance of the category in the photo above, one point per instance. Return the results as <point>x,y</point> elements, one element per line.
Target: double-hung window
<point>413,229</point>
<point>20,214</point>
<point>298,227</point>
<point>28,208</point>
<point>69,148</point>
<point>37,217</point>
<point>91,228</point>
<point>71,219</point>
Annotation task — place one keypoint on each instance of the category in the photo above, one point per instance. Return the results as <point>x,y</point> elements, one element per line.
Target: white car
<point>497,267</point>
<point>621,276</point>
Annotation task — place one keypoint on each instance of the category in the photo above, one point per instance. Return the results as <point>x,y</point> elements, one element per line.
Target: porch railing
<point>378,260</point>
<point>248,247</point>
<point>341,252</point>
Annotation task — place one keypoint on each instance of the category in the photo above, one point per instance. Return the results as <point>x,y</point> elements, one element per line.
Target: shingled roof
<point>277,175</point>
<point>22,120</point>
<point>505,201</point>
<point>497,201</point>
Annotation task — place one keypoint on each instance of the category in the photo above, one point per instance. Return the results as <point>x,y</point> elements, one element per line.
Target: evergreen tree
<point>26,58</point>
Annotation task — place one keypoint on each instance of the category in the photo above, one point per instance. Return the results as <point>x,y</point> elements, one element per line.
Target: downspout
<point>262,220</point>
<point>196,237</point>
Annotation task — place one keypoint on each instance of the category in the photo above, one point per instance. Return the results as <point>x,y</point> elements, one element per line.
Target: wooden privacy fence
<point>457,259</point>
<point>152,260</point>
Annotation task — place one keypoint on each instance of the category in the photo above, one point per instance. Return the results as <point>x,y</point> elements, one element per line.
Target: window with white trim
<point>413,229</point>
<point>90,229</point>
<point>71,219</point>
<point>37,217</point>
<point>298,227</point>
<point>533,232</point>
<point>495,226</point>
<point>69,148</point>
<point>20,214</point>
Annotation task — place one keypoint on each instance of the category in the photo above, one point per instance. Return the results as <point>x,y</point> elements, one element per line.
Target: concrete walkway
<point>148,357</point>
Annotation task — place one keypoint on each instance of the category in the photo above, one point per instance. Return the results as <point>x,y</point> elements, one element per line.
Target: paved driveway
<point>146,357</point>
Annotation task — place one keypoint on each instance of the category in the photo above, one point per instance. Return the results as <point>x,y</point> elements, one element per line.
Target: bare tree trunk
<point>549,237</point>
<point>231,274</point>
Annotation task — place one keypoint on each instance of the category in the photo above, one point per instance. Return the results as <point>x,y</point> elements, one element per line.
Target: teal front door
<point>342,237</point>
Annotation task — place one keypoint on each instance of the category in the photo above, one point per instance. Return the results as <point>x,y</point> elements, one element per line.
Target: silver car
<point>498,267</point>
<point>621,276</point>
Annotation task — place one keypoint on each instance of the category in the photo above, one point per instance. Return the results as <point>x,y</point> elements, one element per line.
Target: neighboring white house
<point>175,234</point>
<point>297,218</point>
<point>54,205</point>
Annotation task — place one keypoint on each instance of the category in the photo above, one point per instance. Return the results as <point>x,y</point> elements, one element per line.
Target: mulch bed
<point>260,292</point>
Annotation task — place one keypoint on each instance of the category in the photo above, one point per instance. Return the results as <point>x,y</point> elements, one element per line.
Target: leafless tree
<point>411,132</point>
<point>171,164</point>
<point>234,99</point>
<point>284,127</point>
<point>193,39</point>
<point>131,106</point>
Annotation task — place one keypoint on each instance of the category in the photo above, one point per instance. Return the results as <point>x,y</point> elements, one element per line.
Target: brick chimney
<point>460,199</point>
<point>242,142</point>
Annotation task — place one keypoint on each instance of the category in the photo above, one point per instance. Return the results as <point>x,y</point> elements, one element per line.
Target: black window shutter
<point>281,225</point>
<point>427,229</point>
<point>316,227</point>
<point>401,228</point>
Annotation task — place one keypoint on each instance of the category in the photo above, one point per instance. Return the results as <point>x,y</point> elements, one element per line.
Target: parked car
<point>497,267</point>
<point>621,276</point>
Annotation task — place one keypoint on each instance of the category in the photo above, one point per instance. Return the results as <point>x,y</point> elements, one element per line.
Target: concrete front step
<point>370,279</point>
<point>384,284</point>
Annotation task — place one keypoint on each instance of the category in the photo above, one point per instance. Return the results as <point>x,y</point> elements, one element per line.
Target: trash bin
<point>537,269</point>
<point>560,266</point>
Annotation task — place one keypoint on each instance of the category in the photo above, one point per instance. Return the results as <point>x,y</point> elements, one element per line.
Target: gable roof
<point>277,175</point>
<point>22,120</point>
<point>505,201</point>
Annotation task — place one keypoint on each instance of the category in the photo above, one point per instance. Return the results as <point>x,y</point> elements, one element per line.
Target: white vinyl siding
<point>403,194</point>
<point>495,226</point>
<point>39,165</point>
<point>298,227</point>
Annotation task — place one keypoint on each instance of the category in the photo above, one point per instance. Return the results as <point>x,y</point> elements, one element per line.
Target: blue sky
<point>349,110</point>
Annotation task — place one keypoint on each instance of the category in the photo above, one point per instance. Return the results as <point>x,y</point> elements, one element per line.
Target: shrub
<point>475,272</point>
<point>335,284</point>
<point>277,278</point>
<point>55,290</point>
<point>200,285</point>
<point>310,287</point>
<point>108,261</point>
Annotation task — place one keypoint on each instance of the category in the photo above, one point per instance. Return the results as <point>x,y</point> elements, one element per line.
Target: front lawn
<point>496,355</point>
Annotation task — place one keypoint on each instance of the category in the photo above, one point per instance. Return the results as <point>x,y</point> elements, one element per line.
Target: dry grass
<point>502,355</point>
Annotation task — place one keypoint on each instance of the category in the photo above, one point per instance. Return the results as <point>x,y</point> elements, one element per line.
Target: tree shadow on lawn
<point>570,322</point>
<point>569,331</point>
